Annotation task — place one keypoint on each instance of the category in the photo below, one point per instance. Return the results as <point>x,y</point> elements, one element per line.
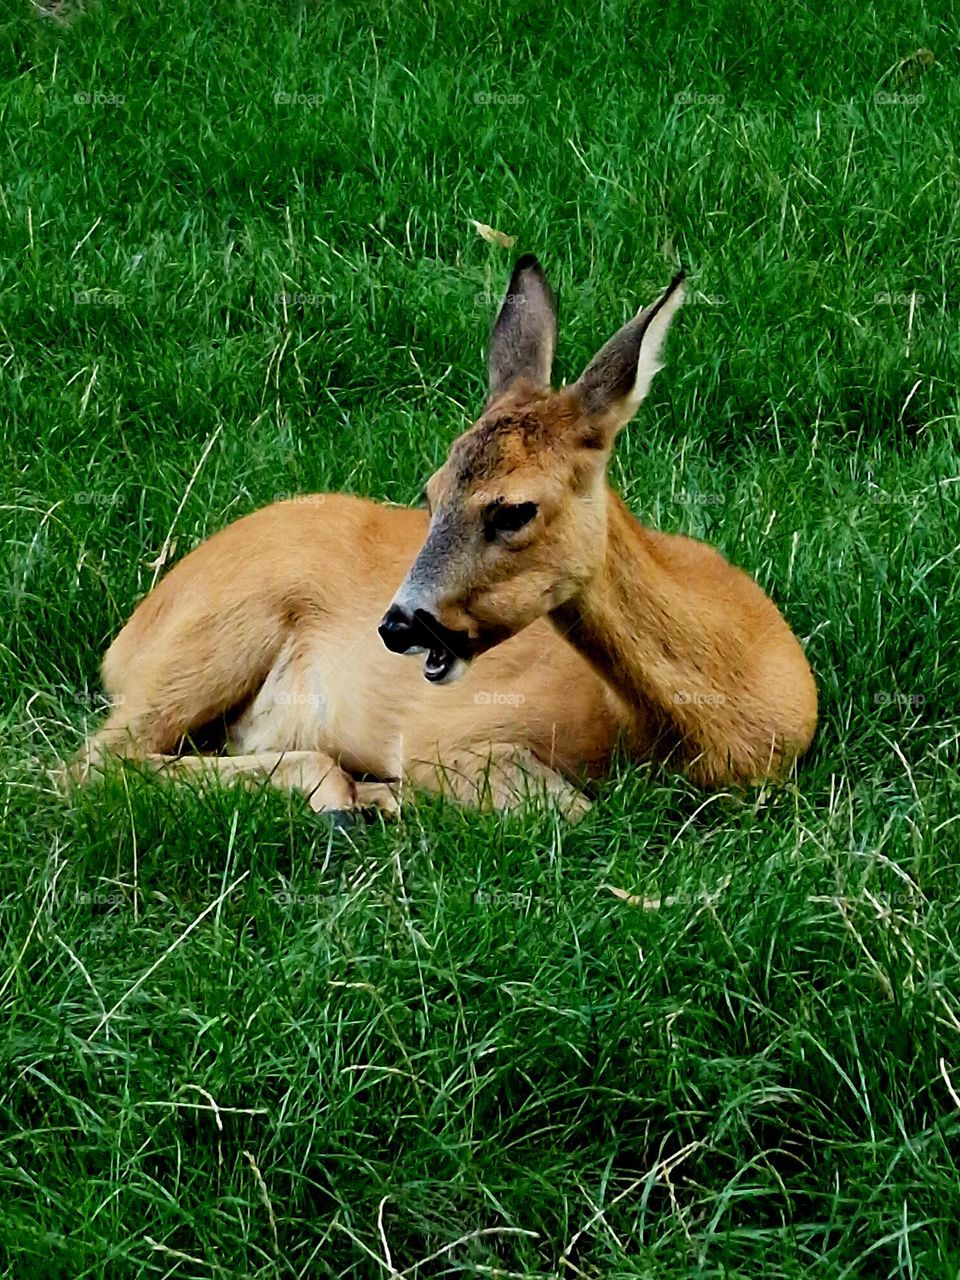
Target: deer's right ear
<point>619,375</point>
<point>524,334</point>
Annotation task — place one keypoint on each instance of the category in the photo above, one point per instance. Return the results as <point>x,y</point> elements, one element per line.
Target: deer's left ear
<point>524,334</point>
<point>619,376</point>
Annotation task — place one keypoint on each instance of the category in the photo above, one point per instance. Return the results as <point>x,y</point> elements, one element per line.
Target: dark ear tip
<point>527,262</point>
<point>677,280</point>
<point>526,271</point>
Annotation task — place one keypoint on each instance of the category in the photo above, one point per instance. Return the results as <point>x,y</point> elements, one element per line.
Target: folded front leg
<point>326,786</point>
<point>500,776</point>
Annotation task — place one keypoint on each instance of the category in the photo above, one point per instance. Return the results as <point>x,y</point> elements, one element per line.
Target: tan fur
<point>614,633</point>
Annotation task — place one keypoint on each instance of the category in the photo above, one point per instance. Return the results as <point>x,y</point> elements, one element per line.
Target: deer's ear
<point>524,334</point>
<point>619,376</point>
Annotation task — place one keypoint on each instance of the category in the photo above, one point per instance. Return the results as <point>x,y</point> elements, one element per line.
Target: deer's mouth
<point>440,666</point>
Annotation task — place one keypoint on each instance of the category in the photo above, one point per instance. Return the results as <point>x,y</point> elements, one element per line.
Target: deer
<point>556,630</point>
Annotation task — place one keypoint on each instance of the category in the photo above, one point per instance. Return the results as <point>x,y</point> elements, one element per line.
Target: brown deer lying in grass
<point>555,625</point>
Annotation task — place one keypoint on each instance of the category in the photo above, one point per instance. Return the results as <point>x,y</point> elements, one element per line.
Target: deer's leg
<point>499,775</point>
<point>169,676</point>
<point>327,787</point>
<point>125,734</point>
<point>129,735</point>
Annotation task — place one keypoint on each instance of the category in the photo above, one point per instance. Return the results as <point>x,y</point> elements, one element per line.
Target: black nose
<point>397,630</point>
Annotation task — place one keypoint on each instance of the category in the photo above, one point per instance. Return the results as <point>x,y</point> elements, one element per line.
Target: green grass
<point>235,1044</point>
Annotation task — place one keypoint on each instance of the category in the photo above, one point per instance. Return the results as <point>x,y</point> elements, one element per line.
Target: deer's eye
<point>509,517</point>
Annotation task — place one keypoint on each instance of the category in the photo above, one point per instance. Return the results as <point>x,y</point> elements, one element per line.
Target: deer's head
<point>518,512</point>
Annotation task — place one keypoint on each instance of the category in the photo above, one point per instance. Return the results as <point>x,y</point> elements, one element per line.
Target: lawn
<point>238,259</point>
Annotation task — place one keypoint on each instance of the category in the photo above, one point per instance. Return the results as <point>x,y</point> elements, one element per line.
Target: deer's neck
<point>700,657</point>
<point>652,632</point>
